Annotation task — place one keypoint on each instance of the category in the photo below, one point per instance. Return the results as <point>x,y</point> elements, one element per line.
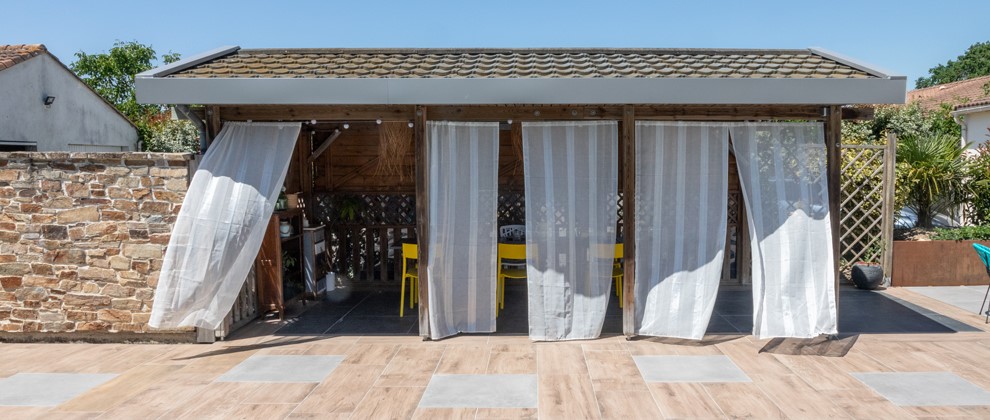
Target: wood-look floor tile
<point>743,401</point>
<point>389,403</point>
<point>259,411</point>
<point>684,399</point>
<point>626,404</point>
<point>512,362</point>
<point>282,393</point>
<point>560,359</point>
<point>865,405</point>
<point>796,398</point>
<point>819,373</point>
<point>411,366</point>
<point>444,413</point>
<point>567,397</point>
<point>119,389</point>
<point>460,359</point>
<point>614,370</point>
<point>370,354</point>
<point>340,392</point>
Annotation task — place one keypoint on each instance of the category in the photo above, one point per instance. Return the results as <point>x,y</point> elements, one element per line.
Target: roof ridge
<point>591,50</point>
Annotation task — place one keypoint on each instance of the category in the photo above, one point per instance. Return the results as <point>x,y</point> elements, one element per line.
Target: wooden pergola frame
<point>830,115</point>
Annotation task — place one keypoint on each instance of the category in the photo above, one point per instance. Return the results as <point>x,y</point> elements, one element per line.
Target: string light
<point>510,122</point>
<point>410,124</point>
<point>346,126</point>
<point>378,121</point>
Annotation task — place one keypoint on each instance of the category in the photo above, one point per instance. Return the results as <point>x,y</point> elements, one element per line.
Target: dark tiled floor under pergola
<point>344,312</point>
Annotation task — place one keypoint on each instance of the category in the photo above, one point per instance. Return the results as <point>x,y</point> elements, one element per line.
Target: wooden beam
<point>422,219</point>
<point>858,113</point>
<point>519,112</point>
<point>629,221</point>
<point>318,112</point>
<point>833,140</point>
<point>325,145</point>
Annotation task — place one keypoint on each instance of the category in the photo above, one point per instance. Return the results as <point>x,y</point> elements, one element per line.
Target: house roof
<point>961,94</point>
<point>493,76</point>
<point>11,55</point>
<point>523,63</point>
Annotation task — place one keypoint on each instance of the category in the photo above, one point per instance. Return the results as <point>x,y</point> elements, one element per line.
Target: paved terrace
<point>262,375</point>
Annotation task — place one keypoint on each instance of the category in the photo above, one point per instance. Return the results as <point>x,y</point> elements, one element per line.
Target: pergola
<point>325,87</point>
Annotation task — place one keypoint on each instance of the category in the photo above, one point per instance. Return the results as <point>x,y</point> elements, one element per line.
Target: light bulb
<point>410,125</point>
<point>378,121</point>
<point>312,122</point>
<point>346,126</point>
<point>510,122</point>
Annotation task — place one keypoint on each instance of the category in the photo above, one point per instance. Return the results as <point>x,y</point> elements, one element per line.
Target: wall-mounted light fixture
<point>49,100</point>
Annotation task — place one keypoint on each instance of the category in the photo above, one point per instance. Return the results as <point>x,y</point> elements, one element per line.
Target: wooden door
<point>268,266</point>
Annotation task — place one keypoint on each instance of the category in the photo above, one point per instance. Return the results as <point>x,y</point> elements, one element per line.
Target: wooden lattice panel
<point>861,210</point>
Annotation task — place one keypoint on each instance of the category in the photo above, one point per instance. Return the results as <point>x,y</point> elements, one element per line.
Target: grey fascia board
<point>854,63</point>
<point>278,91</point>
<point>187,62</point>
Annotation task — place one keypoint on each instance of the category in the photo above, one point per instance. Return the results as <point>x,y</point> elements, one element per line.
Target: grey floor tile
<point>47,389</point>
<point>925,388</point>
<point>481,391</point>
<point>967,298</point>
<point>261,368</point>
<point>689,369</point>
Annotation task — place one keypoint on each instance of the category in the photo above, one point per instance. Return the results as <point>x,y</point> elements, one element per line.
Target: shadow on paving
<point>377,313</point>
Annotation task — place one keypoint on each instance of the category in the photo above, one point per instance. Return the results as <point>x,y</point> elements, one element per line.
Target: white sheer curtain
<point>681,204</point>
<point>463,234</point>
<point>571,171</point>
<point>782,170</point>
<point>221,224</point>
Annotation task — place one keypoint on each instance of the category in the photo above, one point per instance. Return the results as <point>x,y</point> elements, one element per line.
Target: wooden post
<point>213,124</point>
<point>422,219</point>
<point>629,221</point>
<point>306,172</point>
<point>833,137</point>
<point>887,229</point>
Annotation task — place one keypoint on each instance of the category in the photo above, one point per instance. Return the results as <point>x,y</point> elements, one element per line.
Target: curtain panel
<point>463,192</point>
<point>681,206</point>
<point>782,167</point>
<point>221,224</point>
<point>571,180</point>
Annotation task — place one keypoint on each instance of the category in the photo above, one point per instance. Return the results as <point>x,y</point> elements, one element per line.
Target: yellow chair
<point>617,272</point>
<point>508,252</point>
<point>409,271</point>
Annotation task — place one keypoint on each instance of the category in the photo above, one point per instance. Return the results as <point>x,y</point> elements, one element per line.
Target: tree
<point>975,62</point>
<point>111,75</point>
<point>932,171</point>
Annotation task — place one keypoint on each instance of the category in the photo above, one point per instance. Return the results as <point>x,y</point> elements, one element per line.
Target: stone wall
<point>82,236</point>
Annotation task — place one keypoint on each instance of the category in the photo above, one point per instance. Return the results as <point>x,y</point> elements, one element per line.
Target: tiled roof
<point>521,63</point>
<point>959,94</point>
<point>10,55</point>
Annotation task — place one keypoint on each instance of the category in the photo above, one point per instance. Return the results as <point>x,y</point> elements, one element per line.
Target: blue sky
<point>906,37</point>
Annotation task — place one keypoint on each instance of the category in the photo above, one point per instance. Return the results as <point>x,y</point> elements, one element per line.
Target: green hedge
<point>967,233</point>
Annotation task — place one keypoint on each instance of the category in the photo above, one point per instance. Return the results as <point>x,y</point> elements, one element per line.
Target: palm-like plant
<point>932,172</point>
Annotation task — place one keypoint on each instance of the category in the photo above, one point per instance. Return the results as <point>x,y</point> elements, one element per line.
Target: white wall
<point>975,129</point>
<point>78,116</point>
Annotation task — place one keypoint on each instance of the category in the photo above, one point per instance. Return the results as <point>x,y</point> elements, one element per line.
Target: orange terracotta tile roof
<point>10,55</point>
<point>961,94</point>
<point>520,63</point>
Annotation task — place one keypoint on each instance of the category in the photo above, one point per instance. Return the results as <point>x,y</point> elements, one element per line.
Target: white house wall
<point>976,128</point>
<point>79,120</point>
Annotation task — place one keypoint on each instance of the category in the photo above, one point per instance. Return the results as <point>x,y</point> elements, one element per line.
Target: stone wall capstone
<point>82,237</point>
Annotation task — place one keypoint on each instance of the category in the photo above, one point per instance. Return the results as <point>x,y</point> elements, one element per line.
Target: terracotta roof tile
<point>10,55</point>
<point>543,63</point>
<point>957,94</point>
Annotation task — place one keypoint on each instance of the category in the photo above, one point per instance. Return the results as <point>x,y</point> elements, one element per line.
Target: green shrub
<point>967,233</point>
